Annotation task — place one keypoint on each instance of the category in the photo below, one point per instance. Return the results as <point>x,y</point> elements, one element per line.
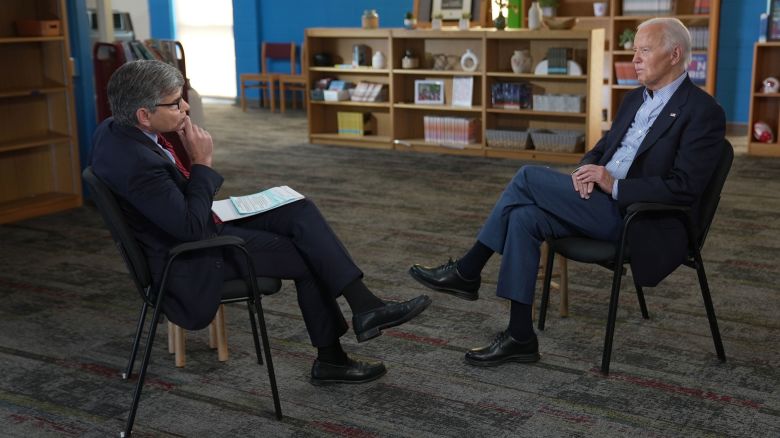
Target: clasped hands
<point>587,176</point>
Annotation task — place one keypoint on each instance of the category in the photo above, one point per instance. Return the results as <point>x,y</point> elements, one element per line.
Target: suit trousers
<point>295,242</point>
<point>539,203</point>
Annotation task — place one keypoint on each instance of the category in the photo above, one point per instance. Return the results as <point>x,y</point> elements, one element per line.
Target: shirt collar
<point>667,91</point>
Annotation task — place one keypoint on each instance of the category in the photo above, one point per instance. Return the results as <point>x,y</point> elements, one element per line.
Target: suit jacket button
<point>218,265</point>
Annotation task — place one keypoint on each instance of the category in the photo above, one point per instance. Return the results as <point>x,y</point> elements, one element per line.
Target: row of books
<point>456,131</point>
<point>163,50</point>
<point>557,61</point>
<point>369,92</point>
<point>700,37</point>
<point>625,73</point>
<point>511,95</point>
<point>354,123</point>
<point>647,7</point>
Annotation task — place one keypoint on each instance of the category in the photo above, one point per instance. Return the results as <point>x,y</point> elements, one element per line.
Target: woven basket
<point>558,140</point>
<point>500,138</point>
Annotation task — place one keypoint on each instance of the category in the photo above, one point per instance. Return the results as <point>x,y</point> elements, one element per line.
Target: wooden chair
<point>265,81</point>
<point>295,83</point>
<point>217,339</point>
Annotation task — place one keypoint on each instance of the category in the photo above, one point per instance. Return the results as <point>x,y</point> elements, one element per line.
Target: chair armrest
<point>213,242</point>
<point>639,207</point>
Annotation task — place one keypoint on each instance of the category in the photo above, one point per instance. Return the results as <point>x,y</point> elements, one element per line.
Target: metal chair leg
<point>269,360</point>
<point>249,305</point>
<point>611,317</point>
<point>548,267</point>
<point>640,295</point>
<point>138,331</point>
<point>705,294</point>
<point>142,375</point>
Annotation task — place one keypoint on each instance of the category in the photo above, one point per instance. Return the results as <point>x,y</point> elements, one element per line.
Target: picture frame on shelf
<point>429,92</point>
<point>451,9</point>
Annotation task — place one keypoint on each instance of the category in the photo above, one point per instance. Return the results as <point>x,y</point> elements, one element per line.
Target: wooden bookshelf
<point>39,163</point>
<point>400,120</point>
<point>764,107</point>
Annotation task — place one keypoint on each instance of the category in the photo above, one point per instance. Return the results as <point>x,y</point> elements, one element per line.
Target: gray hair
<point>141,84</point>
<point>674,34</point>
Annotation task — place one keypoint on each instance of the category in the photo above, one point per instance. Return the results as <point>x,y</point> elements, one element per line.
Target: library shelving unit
<point>618,19</point>
<point>400,120</point>
<point>764,107</point>
<point>39,163</point>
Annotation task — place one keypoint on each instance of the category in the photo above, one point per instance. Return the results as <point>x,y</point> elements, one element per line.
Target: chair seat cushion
<point>583,249</point>
<point>236,289</point>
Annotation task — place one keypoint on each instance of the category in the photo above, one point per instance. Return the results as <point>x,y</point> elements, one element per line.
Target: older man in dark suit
<point>167,199</point>
<point>663,147</point>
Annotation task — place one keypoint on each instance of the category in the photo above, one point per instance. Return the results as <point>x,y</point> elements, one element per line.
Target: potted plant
<point>436,22</point>
<point>626,39</point>
<point>465,21</point>
<point>409,21</point>
<point>548,7</point>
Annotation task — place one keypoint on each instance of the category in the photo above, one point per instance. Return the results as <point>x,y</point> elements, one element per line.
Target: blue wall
<point>161,19</point>
<point>738,32</point>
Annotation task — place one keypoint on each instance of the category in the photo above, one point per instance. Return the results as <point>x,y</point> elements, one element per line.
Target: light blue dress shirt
<point>643,121</point>
<point>166,151</point>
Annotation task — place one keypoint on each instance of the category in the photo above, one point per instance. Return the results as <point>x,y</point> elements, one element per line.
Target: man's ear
<point>676,55</point>
<point>142,114</point>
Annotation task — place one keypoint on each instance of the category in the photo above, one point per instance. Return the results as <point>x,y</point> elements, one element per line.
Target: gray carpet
<point>68,314</point>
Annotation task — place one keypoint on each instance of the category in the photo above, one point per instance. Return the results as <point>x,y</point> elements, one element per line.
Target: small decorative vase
<point>521,61</point>
<point>469,61</point>
<point>628,45</point>
<point>378,60</point>
<point>370,19</point>
<point>500,21</point>
<point>464,24</point>
<point>436,24</point>
<point>535,16</point>
<point>409,60</point>
<point>410,23</point>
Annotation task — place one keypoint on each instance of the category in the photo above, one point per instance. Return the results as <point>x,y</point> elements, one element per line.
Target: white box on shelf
<point>335,95</point>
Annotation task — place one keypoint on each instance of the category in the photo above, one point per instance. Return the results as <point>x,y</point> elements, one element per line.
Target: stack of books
<point>647,7</point>
<point>700,37</point>
<point>369,92</point>
<point>511,95</point>
<point>455,131</point>
<point>625,73</point>
<point>701,7</point>
<point>557,61</point>
<point>354,123</point>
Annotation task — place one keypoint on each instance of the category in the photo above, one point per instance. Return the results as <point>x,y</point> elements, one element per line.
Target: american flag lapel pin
<point>672,114</point>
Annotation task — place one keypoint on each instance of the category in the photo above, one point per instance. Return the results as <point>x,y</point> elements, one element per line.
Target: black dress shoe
<point>446,278</point>
<point>370,324</point>
<point>504,349</point>
<point>354,371</point>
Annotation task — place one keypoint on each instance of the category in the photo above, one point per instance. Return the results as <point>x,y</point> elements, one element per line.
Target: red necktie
<point>162,141</point>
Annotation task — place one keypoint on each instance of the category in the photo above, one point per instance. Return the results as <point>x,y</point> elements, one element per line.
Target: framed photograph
<point>773,31</point>
<point>429,91</point>
<point>450,9</point>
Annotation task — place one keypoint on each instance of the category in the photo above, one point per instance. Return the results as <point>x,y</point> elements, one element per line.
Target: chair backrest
<point>711,196</point>
<point>278,51</point>
<point>123,237</point>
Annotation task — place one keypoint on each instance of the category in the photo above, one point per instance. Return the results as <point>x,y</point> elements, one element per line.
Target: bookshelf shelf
<point>764,107</point>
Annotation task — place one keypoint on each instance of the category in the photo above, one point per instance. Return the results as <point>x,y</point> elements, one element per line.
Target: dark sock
<point>520,322</point>
<point>332,354</point>
<point>471,264</point>
<point>359,298</point>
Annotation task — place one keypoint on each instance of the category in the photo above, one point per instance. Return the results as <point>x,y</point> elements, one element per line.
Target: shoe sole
<point>524,358</point>
<point>326,382</point>
<point>468,296</point>
<point>376,331</point>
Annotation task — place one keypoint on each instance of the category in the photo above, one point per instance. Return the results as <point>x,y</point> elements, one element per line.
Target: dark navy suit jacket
<point>164,209</point>
<point>673,165</point>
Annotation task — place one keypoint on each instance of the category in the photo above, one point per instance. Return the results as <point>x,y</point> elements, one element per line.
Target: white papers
<point>462,90</point>
<point>244,206</point>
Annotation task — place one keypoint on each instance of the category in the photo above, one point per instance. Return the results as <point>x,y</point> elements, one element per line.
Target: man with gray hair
<point>663,146</point>
<point>167,200</point>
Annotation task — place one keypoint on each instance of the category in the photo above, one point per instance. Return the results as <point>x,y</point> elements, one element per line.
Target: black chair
<point>613,255</point>
<point>233,291</point>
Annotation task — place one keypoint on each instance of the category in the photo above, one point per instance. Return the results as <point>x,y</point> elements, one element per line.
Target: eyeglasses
<point>176,103</point>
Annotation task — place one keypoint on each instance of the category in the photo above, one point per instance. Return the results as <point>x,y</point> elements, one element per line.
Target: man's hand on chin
<point>198,143</point>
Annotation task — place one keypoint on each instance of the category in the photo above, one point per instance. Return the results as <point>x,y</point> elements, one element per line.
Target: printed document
<point>237,207</point>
